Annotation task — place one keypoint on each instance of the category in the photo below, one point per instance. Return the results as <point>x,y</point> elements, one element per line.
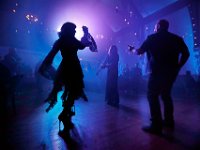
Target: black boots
<point>157,127</point>
<point>152,129</point>
<point>168,124</point>
<point>65,116</point>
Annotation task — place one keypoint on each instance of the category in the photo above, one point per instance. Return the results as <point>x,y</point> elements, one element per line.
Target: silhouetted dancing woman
<point>69,72</point>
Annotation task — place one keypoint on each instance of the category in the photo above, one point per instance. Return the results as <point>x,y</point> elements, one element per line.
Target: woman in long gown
<point>111,63</point>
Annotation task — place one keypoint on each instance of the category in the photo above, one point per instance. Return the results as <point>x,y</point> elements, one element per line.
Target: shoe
<point>168,124</point>
<point>152,130</point>
<point>68,124</point>
<point>65,117</point>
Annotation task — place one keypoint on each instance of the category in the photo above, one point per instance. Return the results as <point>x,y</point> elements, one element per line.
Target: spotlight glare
<point>58,29</point>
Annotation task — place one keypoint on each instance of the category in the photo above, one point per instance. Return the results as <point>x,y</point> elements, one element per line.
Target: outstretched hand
<point>131,49</point>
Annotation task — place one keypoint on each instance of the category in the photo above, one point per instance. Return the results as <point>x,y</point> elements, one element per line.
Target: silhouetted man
<point>163,50</point>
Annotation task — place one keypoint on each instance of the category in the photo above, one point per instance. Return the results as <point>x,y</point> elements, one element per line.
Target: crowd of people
<point>131,81</point>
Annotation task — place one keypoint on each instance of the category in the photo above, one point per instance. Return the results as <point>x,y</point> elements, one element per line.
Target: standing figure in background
<point>167,53</point>
<point>12,61</point>
<point>111,63</point>
<point>69,72</point>
<point>124,80</point>
<point>126,72</point>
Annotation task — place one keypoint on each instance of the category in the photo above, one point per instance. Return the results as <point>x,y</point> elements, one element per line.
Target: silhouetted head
<point>161,25</point>
<point>113,50</point>
<point>67,29</point>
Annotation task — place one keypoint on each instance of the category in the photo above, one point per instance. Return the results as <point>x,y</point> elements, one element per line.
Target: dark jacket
<point>165,51</point>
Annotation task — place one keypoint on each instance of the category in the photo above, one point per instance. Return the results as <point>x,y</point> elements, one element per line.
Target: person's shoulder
<point>153,35</point>
<point>174,35</point>
<point>57,43</point>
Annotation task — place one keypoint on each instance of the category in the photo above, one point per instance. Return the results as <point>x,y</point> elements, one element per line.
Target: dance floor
<point>99,126</point>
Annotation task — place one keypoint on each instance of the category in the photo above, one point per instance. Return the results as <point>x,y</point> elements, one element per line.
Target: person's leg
<point>65,94</point>
<point>168,110</point>
<point>168,102</point>
<point>154,105</point>
<point>67,113</point>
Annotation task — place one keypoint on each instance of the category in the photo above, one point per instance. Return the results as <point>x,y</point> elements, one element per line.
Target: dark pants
<point>160,84</point>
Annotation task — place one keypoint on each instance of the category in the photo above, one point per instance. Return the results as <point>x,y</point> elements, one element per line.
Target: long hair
<point>113,50</point>
<point>67,29</point>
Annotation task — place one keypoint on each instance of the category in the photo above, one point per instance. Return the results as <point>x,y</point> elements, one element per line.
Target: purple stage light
<point>78,13</point>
